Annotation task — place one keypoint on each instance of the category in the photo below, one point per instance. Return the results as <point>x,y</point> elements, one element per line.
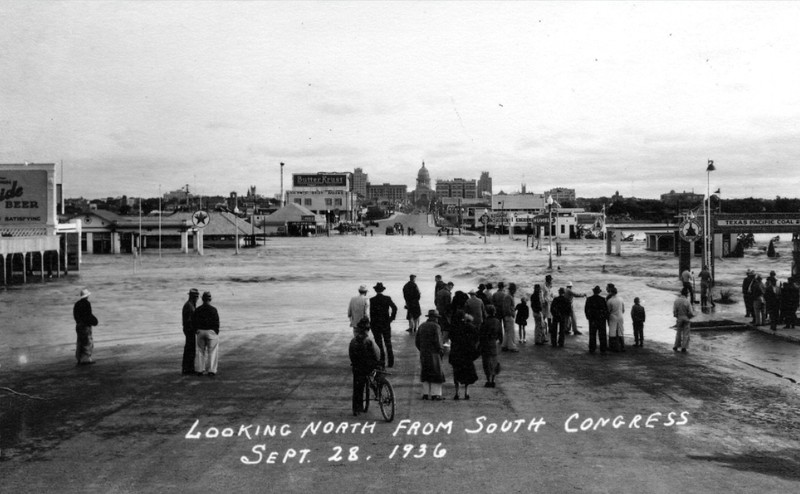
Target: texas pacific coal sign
<point>757,223</point>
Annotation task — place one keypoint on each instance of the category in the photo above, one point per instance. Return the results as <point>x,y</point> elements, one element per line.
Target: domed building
<point>423,194</point>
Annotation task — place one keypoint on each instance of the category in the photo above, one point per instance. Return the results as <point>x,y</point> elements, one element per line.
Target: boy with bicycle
<point>364,358</point>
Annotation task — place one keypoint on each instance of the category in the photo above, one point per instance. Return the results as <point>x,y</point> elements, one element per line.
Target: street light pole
<point>236,225</point>
<point>550,232</point>
<point>708,236</point>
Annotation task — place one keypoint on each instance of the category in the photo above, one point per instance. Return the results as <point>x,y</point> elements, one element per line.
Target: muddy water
<point>300,284</point>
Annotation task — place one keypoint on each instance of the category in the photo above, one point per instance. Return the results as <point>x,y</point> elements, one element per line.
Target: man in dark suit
<point>382,312</point>
<point>596,312</point>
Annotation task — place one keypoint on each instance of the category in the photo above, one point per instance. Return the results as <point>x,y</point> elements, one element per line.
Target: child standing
<point>522,317</point>
<point>638,315</point>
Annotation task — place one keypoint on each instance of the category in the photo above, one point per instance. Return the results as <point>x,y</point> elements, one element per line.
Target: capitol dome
<point>423,177</point>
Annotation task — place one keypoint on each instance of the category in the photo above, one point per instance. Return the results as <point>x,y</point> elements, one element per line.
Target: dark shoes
<point>456,397</point>
<point>424,397</point>
<point>576,332</point>
<point>437,398</point>
<point>683,350</point>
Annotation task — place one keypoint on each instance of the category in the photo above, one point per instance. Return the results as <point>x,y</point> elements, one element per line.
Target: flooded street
<point>292,285</point>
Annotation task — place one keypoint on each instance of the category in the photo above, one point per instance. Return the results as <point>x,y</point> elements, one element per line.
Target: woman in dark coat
<point>463,351</point>
<point>491,333</point>
<point>429,344</point>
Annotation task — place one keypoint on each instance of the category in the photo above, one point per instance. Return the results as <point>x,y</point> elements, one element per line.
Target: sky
<point>628,97</point>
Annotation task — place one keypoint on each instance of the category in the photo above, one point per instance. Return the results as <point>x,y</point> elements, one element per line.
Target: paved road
<point>684,423</point>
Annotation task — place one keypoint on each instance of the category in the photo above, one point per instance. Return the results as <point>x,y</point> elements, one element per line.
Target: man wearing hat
<point>363,359</point>
<point>750,275</point>
<point>596,312</point>
<point>358,308</point>
<point>84,320</point>
<point>411,296</point>
<point>431,348</point>
<point>570,294</point>
<point>189,333</point>
<point>205,321</point>
<point>382,312</point>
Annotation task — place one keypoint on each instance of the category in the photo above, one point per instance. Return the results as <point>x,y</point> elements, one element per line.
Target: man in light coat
<point>358,308</point>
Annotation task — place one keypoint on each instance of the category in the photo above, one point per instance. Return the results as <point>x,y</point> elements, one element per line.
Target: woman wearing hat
<point>429,344</point>
<point>84,320</point>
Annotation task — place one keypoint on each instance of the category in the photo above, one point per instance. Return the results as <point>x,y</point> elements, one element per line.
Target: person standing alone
<point>190,344</point>
<point>382,312</point>
<point>84,320</point>
<point>205,321</point>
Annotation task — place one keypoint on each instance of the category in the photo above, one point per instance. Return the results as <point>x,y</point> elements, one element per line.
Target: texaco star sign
<point>200,219</point>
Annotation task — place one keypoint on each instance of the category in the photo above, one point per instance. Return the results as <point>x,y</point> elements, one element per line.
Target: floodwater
<point>304,284</point>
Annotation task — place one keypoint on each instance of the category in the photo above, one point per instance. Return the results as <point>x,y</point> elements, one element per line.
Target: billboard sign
<point>319,180</point>
<point>23,197</point>
<point>757,223</point>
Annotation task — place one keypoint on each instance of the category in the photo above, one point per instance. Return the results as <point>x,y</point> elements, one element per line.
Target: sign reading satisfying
<point>23,197</point>
<point>320,180</point>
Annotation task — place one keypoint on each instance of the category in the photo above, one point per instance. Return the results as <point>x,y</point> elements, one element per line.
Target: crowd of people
<point>770,302</point>
<point>481,323</point>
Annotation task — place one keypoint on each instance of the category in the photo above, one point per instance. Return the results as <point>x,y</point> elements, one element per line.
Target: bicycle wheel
<point>365,397</point>
<point>386,400</point>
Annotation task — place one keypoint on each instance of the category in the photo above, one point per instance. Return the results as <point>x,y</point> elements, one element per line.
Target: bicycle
<point>382,392</point>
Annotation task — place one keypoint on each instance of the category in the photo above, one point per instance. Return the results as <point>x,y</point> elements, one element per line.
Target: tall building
<point>324,192</point>
<point>458,187</point>
<point>393,194</point>
<point>484,185</point>
<point>562,194</point>
<point>360,182</point>
<point>685,198</point>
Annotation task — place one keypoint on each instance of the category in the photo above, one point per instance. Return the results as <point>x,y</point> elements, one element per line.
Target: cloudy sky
<point>634,97</point>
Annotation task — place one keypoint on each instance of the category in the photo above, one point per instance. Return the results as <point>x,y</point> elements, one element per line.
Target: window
<point>562,229</point>
<point>337,202</point>
<point>308,202</point>
<point>328,201</point>
<point>298,201</point>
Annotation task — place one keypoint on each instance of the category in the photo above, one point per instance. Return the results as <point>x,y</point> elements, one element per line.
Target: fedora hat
<point>379,287</point>
<point>194,291</point>
<point>85,293</point>
<point>433,313</point>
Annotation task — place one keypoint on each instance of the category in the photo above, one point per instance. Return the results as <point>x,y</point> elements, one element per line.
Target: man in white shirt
<point>359,308</point>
